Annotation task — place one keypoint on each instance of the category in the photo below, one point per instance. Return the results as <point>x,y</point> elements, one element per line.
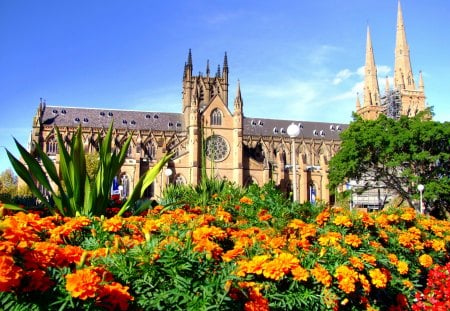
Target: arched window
<point>51,146</point>
<point>150,149</point>
<point>216,117</point>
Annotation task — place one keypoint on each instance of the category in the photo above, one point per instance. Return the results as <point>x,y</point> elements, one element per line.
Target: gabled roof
<point>123,119</point>
<point>166,121</point>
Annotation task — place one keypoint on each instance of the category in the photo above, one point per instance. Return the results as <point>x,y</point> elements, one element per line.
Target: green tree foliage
<point>8,182</point>
<point>400,154</point>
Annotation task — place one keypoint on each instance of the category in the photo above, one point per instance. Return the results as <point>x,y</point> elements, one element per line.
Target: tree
<point>8,182</point>
<point>400,154</point>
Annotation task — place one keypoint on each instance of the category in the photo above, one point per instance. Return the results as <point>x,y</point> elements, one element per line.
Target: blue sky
<point>295,59</point>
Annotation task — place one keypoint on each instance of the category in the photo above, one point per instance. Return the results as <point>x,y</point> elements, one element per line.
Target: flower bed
<point>251,254</point>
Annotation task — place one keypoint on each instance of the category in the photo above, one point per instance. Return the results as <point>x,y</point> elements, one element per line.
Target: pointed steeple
<point>358,103</point>
<point>421,84</point>
<point>387,87</point>
<point>189,62</point>
<point>403,76</point>
<point>238,102</point>
<point>371,89</point>
<point>218,71</point>
<point>207,68</point>
<point>225,62</point>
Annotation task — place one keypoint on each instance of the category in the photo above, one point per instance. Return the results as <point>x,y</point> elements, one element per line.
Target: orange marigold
<point>343,220</point>
<point>280,266</point>
<point>114,296</point>
<point>246,200</point>
<point>10,274</point>
<point>426,260</point>
<point>113,224</point>
<point>300,274</point>
<point>83,283</point>
<point>323,217</point>
<point>402,267</point>
<point>347,278</point>
<point>379,279</point>
<point>264,215</point>
<point>257,302</point>
<point>356,263</point>
<point>321,275</point>
<point>353,240</point>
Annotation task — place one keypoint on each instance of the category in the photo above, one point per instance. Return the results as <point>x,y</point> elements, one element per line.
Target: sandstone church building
<point>242,149</point>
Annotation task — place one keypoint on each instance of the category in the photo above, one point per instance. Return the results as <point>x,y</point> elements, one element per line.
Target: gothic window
<point>216,117</point>
<point>52,146</point>
<point>130,151</point>
<point>150,150</point>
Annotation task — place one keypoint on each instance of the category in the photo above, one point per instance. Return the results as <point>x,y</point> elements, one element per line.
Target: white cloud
<point>342,75</point>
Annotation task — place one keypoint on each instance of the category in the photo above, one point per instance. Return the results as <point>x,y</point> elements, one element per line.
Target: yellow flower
<point>426,260</point>
<point>402,267</point>
<point>379,279</point>
<point>343,220</point>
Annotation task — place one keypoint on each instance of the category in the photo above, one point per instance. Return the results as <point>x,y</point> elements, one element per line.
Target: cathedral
<point>404,98</point>
<point>238,148</point>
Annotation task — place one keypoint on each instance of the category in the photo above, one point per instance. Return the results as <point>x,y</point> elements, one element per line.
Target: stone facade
<point>238,148</point>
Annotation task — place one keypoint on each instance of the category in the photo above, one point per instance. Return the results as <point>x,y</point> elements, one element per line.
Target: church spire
<point>358,104</point>
<point>238,100</point>
<point>421,84</point>
<point>387,87</point>
<point>371,89</point>
<point>403,77</point>
<point>207,68</point>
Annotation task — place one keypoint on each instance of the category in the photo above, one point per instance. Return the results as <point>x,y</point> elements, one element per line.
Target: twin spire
<point>403,76</point>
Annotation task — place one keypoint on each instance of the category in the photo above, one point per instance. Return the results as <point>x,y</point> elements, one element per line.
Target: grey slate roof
<point>123,119</point>
<point>272,127</point>
<point>166,121</point>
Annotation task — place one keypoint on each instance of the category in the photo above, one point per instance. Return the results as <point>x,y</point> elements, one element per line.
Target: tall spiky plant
<point>74,193</point>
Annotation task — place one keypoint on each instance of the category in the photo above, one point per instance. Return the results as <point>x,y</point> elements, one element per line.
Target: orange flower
<point>246,200</point>
<point>353,240</point>
<point>393,258</point>
<point>321,275</point>
<point>10,274</point>
<point>114,296</point>
<point>379,279</point>
<point>264,215</point>
<point>232,253</point>
<point>280,266</point>
<point>256,264</point>
<point>343,220</point>
<point>369,259</point>
<point>426,260</point>
<point>408,214</point>
<point>83,283</point>
<point>257,302</point>
<point>347,278</point>
<point>364,282</point>
<point>323,217</point>
<point>113,224</point>
<point>356,263</point>
<point>300,274</point>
